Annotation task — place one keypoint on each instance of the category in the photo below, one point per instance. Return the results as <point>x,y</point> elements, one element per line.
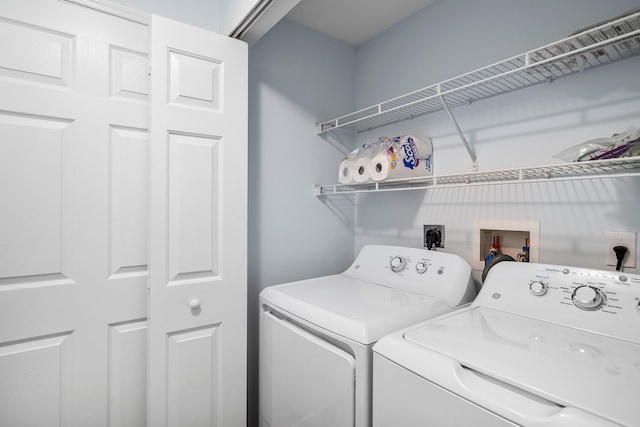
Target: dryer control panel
<point>438,274</point>
<point>606,302</point>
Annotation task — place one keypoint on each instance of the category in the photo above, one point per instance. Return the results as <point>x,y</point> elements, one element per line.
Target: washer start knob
<point>587,297</point>
<point>398,264</point>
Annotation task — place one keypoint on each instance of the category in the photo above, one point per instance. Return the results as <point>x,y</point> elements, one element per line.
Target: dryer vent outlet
<point>433,236</point>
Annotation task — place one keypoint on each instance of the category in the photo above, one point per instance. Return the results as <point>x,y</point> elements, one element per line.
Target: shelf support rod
<point>464,140</point>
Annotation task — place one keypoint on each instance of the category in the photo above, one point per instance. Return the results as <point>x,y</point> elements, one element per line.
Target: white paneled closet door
<point>198,240</point>
<point>74,223</point>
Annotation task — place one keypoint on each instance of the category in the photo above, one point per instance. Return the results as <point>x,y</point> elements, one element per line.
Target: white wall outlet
<point>622,238</point>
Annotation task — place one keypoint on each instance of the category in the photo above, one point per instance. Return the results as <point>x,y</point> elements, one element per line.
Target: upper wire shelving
<point>598,45</point>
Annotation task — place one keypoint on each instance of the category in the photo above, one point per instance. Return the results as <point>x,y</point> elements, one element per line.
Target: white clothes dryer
<point>541,345</point>
<point>316,335</point>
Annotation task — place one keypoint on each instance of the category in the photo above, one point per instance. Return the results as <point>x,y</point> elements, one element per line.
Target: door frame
<point>114,9</point>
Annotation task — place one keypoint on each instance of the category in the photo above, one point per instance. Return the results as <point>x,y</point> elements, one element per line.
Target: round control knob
<point>587,297</point>
<point>398,264</point>
<point>538,288</point>
<point>194,304</point>
<point>421,267</point>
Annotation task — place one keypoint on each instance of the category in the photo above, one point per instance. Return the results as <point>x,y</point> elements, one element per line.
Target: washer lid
<point>358,310</point>
<point>568,366</point>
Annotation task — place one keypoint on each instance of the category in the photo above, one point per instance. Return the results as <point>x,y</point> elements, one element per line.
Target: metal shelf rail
<point>599,45</point>
<point>622,167</point>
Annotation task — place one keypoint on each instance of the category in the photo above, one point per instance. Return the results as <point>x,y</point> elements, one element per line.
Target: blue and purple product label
<point>410,154</point>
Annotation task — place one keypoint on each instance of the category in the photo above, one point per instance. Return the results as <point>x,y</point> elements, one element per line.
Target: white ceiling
<point>354,21</point>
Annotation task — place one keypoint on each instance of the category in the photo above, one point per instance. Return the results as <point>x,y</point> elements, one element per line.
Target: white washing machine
<point>316,335</point>
<point>541,345</point>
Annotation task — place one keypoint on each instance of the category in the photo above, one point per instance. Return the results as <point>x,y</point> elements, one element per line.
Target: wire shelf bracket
<point>472,154</point>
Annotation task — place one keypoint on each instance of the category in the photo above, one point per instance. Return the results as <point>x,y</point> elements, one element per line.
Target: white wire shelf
<point>623,167</point>
<point>599,45</point>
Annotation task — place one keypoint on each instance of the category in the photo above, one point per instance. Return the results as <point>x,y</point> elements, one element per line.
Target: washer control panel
<point>596,300</point>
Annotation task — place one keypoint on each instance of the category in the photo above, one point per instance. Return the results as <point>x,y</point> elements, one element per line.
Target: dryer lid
<point>358,310</point>
<point>568,366</point>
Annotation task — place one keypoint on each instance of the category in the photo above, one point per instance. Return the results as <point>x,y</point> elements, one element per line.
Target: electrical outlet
<point>433,236</point>
<point>622,238</point>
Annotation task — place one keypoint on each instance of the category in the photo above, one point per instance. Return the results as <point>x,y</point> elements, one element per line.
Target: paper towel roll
<point>361,169</point>
<point>390,166</point>
<point>345,171</point>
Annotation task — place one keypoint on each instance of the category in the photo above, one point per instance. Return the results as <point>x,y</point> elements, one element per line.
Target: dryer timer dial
<point>421,267</point>
<point>398,264</point>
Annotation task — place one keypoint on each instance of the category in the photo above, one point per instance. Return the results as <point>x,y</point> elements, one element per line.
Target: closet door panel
<point>73,228</point>
<point>198,229</point>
